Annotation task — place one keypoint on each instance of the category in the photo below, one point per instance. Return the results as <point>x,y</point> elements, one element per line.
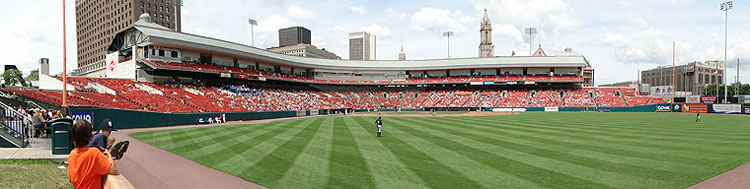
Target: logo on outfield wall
<point>88,116</point>
<point>747,110</point>
<point>663,108</point>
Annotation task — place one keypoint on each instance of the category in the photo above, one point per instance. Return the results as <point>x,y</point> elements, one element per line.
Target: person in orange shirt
<point>87,165</point>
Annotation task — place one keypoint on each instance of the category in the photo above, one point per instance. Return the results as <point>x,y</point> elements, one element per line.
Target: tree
<point>711,90</point>
<point>33,75</point>
<point>14,76</point>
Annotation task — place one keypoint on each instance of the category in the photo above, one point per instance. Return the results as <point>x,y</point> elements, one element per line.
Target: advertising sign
<point>661,91</point>
<point>226,75</point>
<point>551,109</point>
<point>489,83</point>
<point>512,82</point>
<point>88,116</point>
<point>727,108</point>
<point>242,76</point>
<point>693,99</point>
<point>475,83</point>
<point>695,108</point>
<point>747,109</point>
<point>745,99</point>
<point>708,99</point>
<point>663,108</point>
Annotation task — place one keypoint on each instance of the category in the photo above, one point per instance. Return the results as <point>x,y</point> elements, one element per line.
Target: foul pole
<point>64,87</point>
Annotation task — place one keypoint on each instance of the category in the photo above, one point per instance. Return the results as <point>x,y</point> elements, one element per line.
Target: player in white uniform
<point>379,124</point>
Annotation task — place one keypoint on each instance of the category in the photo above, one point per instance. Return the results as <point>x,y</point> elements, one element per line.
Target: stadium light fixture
<point>252,31</point>
<point>530,31</point>
<point>726,6</point>
<point>448,34</point>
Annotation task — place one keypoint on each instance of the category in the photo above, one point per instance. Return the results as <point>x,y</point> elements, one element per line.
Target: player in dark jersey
<point>379,124</point>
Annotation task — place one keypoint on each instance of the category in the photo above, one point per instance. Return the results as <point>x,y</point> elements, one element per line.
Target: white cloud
<point>395,14</point>
<point>377,30</point>
<point>300,13</point>
<point>550,15</point>
<point>439,20</point>
<point>643,47</point>
<point>359,9</point>
<point>267,34</point>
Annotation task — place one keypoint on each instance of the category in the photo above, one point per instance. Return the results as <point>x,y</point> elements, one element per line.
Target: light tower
<point>252,31</point>
<point>448,34</point>
<point>726,6</point>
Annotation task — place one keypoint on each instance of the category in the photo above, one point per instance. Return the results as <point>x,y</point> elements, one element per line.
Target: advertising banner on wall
<point>695,99</point>
<point>708,99</point>
<point>551,109</point>
<point>695,108</point>
<point>88,116</point>
<point>663,108</point>
<point>661,91</point>
<point>227,75</point>
<point>727,108</point>
<point>747,109</point>
<point>745,99</point>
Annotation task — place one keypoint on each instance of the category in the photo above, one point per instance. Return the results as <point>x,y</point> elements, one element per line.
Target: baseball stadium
<point>202,112</point>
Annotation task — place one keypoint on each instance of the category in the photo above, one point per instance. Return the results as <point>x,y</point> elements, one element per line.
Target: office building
<point>304,50</point>
<point>691,78</point>
<point>361,46</point>
<point>293,36</point>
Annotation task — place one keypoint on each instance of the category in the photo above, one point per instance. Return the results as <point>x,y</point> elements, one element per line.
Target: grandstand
<point>152,68</point>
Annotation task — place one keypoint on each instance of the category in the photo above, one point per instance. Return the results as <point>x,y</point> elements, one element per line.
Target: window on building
<point>713,79</point>
<point>161,52</point>
<point>700,78</point>
<point>142,5</point>
<point>174,54</point>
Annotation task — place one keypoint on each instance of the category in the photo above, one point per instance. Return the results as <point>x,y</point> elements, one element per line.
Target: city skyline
<point>618,37</point>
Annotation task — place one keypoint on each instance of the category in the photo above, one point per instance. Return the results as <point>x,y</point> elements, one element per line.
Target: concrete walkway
<point>146,166</point>
<point>39,148</point>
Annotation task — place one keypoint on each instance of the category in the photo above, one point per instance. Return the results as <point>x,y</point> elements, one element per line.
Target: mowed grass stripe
<point>651,122</point>
<point>432,172</point>
<point>258,146</point>
<point>547,144</point>
<point>610,137</point>
<point>546,172</point>
<point>219,148</point>
<point>386,169</point>
<point>703,141</point>
<point>272,167</point>
<point>642,148</point>
<point>626,175</point>
<point>347,166</point>
<point>479,172</point>
<point>311,168</point>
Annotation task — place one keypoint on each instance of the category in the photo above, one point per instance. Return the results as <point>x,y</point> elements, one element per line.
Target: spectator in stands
<point>37,120</point>
<point>87,165</point>
<point>101,139</point>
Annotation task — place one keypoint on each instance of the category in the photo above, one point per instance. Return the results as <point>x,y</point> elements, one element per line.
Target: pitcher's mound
<point>736,178</point>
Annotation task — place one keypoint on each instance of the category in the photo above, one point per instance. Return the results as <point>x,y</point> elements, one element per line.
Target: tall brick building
<point>97,22</point>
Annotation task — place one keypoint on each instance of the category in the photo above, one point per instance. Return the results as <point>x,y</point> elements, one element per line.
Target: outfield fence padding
<point>128,119</point>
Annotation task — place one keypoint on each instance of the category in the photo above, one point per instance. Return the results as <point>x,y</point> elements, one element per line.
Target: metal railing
<point>15,123</point>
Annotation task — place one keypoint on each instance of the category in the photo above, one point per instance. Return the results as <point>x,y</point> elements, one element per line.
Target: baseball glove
<point>118,150</point>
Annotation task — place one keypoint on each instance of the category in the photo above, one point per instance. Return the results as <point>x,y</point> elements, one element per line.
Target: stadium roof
<point>145,32</point>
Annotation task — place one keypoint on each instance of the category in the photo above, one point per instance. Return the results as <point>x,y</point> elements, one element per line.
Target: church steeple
<point>485,32</point>
<point>402,55</point>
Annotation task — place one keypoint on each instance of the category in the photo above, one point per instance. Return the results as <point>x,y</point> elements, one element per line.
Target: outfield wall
<point>128,119</point>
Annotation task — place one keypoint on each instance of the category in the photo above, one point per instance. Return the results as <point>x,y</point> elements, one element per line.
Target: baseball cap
<point>107,125</point>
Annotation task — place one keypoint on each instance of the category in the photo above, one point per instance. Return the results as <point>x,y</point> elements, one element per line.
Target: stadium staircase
<point>14,128</point>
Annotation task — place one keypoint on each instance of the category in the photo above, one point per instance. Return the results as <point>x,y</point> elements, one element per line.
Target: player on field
<point>698,117</point>
<point>433,113</point>
<point>379,124</point>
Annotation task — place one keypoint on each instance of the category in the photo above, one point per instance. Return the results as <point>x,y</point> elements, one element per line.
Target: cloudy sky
<point>619,37</point>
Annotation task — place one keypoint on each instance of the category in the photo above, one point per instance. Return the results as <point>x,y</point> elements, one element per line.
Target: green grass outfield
<point>30,173</point>
<point>528,150</point>
<point>413,112</point>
